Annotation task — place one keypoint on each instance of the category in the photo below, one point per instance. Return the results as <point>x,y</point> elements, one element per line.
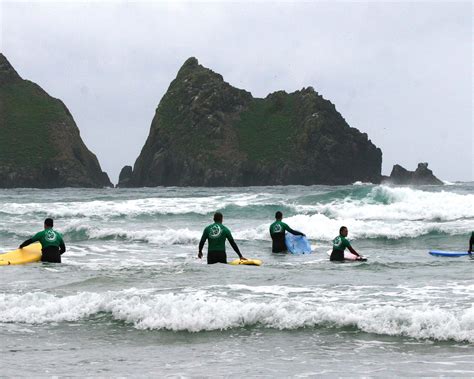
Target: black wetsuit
<point>52,254</point>
<point>216,257</point>
<point>277,232</point>
<point>337,255</point>
<point>471,242</point>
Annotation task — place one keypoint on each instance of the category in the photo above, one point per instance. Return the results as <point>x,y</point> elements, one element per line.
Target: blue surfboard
<point>297,244</point>
<point>440,253</point>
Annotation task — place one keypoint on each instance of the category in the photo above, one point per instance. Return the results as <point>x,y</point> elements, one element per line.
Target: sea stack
<point>206,132</point>
<point>40,144</point>
<point>421,176</point>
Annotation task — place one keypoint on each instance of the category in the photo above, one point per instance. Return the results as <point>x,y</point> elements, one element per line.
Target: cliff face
<point>40,144</point>
<point>207,133</point>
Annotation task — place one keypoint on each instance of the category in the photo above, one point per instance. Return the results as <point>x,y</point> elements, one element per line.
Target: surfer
<point>52,244</point>
<point>471,242</point>
<point>216,234</point>
<point>277,232</point>
<point>339,244</point>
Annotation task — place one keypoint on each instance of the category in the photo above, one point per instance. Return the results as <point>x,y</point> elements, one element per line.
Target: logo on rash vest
<point>215,231</point>
<point>337,242</point>
<point>277,228</point>
<point>50,236</point>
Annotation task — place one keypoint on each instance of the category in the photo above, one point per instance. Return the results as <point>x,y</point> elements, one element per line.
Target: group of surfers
<point>52,243</point>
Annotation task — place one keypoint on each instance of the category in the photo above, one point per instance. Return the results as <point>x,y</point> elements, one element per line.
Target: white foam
<point>202,310</point>
<point>324,228</point>
<point>387,212</point>
<point>399,204</point>
<point>147,206</point>
<point>317,226</point>
<point>156,236</point>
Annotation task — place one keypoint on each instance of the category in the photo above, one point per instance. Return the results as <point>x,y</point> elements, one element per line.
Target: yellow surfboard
<point>252,262</point>
<point>30,253</point>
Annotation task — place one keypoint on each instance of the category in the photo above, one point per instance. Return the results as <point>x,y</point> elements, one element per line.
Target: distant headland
<point>40,144</point>
<point>205,132</point>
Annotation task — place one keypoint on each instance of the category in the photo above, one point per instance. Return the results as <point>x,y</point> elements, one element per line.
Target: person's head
<point>343,231</point>
<point>278,215</point>
<point>218,217</point>
<point>48,223</point>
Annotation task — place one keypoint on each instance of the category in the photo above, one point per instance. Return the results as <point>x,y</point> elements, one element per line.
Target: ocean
<point>131,298</point>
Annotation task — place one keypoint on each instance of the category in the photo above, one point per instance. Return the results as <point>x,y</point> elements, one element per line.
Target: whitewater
<point>131,298</point>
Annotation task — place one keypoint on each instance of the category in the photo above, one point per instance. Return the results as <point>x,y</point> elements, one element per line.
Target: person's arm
<point>346,243</point>
<point>294,232</point>
<point>26,243</point>
<point>351,249</point>
<point>234,246</point>
<point>31,240</point>
<point>202,242</point>
<point>62,247</point>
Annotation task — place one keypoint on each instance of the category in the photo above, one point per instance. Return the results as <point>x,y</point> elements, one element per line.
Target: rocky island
<point>421,176</point>
<point>206,132</point>
<point>40,144</point>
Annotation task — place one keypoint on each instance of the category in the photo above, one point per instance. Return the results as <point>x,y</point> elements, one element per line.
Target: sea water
<point>132,299</point>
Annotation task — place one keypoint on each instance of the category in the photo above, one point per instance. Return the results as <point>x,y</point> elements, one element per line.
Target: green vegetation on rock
<point>271,121</point>
<point>40,144</point>
<point>25,115</point>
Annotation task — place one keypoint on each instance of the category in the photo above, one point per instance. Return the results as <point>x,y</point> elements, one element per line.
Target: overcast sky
<point>399,71</point>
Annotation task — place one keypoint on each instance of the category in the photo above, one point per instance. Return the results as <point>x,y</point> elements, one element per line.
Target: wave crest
<point>202,311</point>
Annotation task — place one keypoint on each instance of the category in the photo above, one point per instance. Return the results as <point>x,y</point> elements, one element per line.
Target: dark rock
<point>40,144</point>
<point>125,176</point>
<point>7,72</point>
<point>421,176</point>
<point>207,133</point>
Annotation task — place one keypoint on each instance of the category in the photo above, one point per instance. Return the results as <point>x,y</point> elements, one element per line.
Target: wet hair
<point>218,217</point>
<point>49,222</point>
<point>278,215</point>
<point>341,229</point>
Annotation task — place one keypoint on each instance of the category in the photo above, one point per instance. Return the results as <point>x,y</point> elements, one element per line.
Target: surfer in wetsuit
<point>471,242</point>
<point>52,244</point>
<point>216,234</point>
<point>277,232</point>
<point>339,244</point>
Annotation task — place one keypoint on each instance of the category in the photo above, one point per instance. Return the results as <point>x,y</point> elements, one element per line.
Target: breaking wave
<point>197,311</point>
<point>369,212</point>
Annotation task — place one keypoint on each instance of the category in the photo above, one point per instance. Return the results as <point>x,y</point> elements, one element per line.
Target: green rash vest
<point>278,227</point>
<point>340,243</point>
<point>48,237</point>
<point>216,234</point>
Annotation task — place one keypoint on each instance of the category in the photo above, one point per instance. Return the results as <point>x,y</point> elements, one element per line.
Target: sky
<point>399,71</point>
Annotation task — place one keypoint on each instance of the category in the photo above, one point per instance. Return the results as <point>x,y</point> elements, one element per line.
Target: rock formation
<point>207,133</point>
<point>421,176</point>
<point>125,176</point>
<point>40,144</point>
